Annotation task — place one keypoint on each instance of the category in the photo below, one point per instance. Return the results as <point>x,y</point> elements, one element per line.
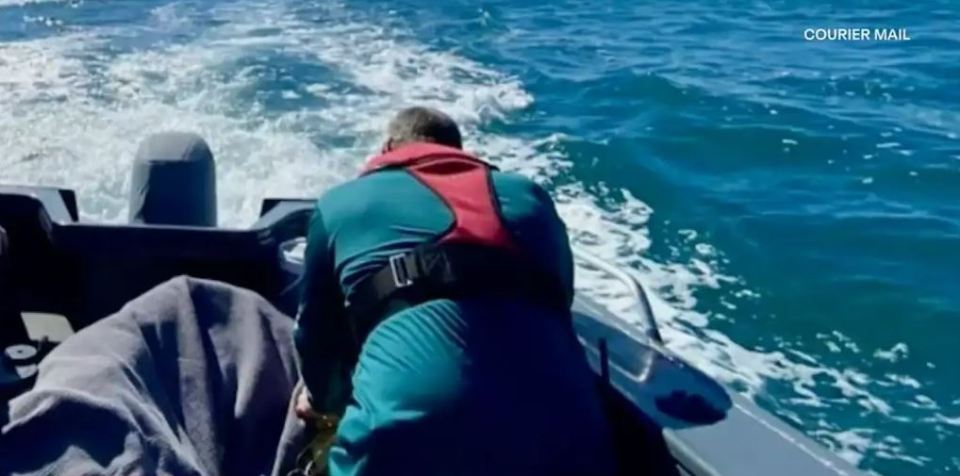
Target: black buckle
<point>401,275</point>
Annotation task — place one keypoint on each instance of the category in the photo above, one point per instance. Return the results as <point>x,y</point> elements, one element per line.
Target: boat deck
<point>670,418</point>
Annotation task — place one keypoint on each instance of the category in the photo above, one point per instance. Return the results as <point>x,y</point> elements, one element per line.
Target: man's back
<point>390,212</point>
<point>465,386</point>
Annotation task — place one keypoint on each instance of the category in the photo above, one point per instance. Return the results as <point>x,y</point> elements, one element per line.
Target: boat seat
<point>12,328</point>
<point>17,354</point>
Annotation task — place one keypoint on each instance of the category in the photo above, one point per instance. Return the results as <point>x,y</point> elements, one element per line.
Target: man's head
<point>422,124</point>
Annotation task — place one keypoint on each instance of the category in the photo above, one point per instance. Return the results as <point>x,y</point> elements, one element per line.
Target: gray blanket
<point>192,378</point>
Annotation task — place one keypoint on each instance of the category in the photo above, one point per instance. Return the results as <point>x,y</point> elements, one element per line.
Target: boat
<point>669,418</point>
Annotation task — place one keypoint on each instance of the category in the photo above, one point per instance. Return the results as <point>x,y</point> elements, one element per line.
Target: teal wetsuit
<point>473,386</point>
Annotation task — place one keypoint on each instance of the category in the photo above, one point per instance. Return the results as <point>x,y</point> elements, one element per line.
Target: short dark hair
<point>423,124</point>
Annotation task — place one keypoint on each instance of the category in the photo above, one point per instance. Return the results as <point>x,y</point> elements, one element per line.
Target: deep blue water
<point>796,205</point>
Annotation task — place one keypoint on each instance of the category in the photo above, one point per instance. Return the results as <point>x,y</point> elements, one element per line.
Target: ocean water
<point>794,205</point>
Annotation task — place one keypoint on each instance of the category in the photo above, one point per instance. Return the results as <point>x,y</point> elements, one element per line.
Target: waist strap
<point>450,271</point>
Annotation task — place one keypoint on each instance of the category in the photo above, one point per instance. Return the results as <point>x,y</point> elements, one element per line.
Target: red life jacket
<point>462,181</point>
<point>477,256</point>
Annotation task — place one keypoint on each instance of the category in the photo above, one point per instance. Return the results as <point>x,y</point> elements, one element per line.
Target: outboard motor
<point>174,181</point>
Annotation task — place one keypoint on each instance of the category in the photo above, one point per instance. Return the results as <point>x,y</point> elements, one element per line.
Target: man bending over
<point>434,325</point>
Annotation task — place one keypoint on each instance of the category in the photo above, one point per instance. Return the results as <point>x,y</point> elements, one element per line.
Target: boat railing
<point>637,293</point>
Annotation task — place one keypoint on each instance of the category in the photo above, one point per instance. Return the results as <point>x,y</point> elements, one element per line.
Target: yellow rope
<point>313,461</point>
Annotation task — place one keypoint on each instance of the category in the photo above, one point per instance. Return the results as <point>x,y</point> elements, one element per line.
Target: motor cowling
<point>174,181</point>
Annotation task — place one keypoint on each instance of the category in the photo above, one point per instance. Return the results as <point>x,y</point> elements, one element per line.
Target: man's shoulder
<point>507,176</point>
<point>362,188</point>
<point>514,184</point>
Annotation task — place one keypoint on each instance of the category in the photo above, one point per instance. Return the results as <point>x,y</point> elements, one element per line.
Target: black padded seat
<point>17,353</point>
<point>14,330</point>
